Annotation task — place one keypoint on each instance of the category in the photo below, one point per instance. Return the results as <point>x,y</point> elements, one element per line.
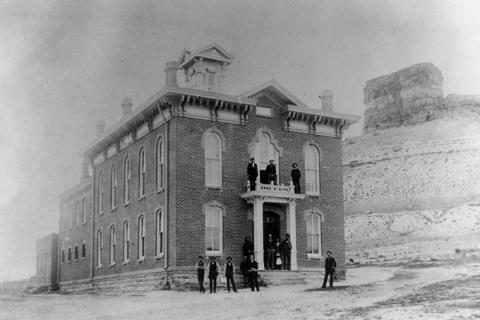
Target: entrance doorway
<point>271,225</point>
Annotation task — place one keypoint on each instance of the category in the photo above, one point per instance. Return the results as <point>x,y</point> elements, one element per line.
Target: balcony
<point>272,193</point>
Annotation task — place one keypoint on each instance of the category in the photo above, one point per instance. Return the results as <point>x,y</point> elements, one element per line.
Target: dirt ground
<point>439,290</point>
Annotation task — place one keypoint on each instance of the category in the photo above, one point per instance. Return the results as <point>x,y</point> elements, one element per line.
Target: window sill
<point>100,213</point>
<point>113,209</point>
<point>313,256</point>
<point>126,262</point>
<point>112,265</point>
<point>83,223</point>
<point>99,267</point>
<point>126,204</point>
<point>216,187</point>
<point>84,258</point>
<point>75,260</point>
<point>213,253</point>
<point>160,190</point>
<point>141,198</point>
<point>313,194</point>
<point>141,260</point>
<point>160,256</point>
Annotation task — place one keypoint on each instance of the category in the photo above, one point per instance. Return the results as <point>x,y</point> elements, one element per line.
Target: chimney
<point>327,100</point>
<point>126,107</point>
<point>85,173</point>
<point>171,73</point>
<point>100,128</point>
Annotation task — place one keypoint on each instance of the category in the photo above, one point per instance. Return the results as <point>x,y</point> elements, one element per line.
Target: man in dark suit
<point>286,249</point>
<point>330,265</point>
<point>253,273</point>
<point>272,172</point>
<point>252,172</point>
<point>213,269</point>
<point>295,173</point>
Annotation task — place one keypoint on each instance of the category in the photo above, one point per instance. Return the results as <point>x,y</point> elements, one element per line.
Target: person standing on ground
<point>270,247</point>
<point>200,267</point>
<point>252,172</point>
<point>272,172</point>
<point>253,273</point>
<point>295,173</point>
<point>229,272</point>
<point>213,269</point>
<point>286,249</point>
<point>330,265</point>
<point>247,248</point>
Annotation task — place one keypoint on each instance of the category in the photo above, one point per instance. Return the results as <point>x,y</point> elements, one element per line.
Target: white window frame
<point>127,176</point>
<point>99,248</point>
<point>126,242</point>
<point>311,219</point>
<point>113,187</point>
<point>113,242</point>
<point>312,170</point>
<point>159,216</point>
<point>160,170</point>
<point>141,238</point>
<point>210,230</point>
<point>142,172</point>
<point>213,162</point>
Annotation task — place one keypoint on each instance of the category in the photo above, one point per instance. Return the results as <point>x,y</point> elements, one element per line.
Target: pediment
<point>212,51</point>
<point>214,54</point>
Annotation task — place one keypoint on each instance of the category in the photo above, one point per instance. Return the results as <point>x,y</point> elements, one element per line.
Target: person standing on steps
<point>286,249</point>
<point>272,172</point>
<point>253,273</point>
<point>200,267</point>
<point>213,268</point>
<point>295,174</point>
<point>252,172</point>
<point>229,272</point>
<point>270,247</point>
<point>330,265</point>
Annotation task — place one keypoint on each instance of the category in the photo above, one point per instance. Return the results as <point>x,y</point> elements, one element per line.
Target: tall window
<point>213,160</point>
<point>313,234</point>
<point>63,255</point>
<point>312,172</point>
<point>126,242</point>
<point>213,230</point>
<point>113,242</point>
<point>75,252</point>
<point>141,173</point>
<point>113,187</point>
<point>69,254</point>
<point>84,210</point>
<point>159,233</point>
<point>77,214</point>
<point>160,162</point>
<point>100,193</point>
<point>84,250</point>
<point>99,248</point>
<point>126,180</point>
<point>141,237</point>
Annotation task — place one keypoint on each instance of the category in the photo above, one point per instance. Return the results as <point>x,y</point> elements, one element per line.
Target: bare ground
<point>417,291</point>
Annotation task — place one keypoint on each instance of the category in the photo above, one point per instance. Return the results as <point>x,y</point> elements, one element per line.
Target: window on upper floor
<point>213,230</point>
<point>312,170</point>
<point>77,213</point>
<point>84,210</point>
<point>141,238</point>
<point>126,180</point>
<point>69,254</point>
<point>75,252</point>
<point>84,250</point>
<point>100,193</point>
<point>213,160</point>
<point>159,233</point>
<point>160,164</point>
<point>314,235</point>
<point>63,255</point>
<point>142,172</point>
<point>113,187</point>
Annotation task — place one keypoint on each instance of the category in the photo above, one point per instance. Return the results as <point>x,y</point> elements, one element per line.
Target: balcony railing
<point>272,187</point>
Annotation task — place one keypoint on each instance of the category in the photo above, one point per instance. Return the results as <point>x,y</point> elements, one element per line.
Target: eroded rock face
<point>409,96</point>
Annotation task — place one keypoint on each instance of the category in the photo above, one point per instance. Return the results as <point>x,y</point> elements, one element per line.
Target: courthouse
<point>168,182</point>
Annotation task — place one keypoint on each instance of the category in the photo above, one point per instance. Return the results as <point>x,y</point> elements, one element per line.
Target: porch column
<point>292,230</point>
<point>258,231</point>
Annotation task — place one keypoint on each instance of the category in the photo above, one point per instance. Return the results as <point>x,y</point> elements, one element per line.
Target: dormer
<point>205,68</point>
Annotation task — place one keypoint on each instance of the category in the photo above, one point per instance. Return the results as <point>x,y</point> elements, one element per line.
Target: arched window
<point>75,252</point>
<point>159,233</point>
<point>63,255</point>
<point>126,242</point>
<point>113,242</point>
<point>160,163</point>
<point>100,193</point>
<point>84,250</point>
<point>213,160</point>
<point>213,230</point>
<point>126,180</point>
<point>141,238</point>
<point>69,254</point>
<point>314,235</point>
<point>113,187</point>
<point>99,248</point>
<point>312,172</point>
<point>141,173</point>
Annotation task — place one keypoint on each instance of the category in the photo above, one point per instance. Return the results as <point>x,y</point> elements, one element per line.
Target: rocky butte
<point>412,179</point>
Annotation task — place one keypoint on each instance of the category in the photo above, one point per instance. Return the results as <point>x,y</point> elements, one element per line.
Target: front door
<point>271,225</point>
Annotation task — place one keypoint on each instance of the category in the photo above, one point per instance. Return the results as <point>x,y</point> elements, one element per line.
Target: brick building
<point>168,181</point>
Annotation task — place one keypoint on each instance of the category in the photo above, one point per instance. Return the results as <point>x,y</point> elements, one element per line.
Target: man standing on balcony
<point>252,172</point>
<point>272,172</point>
<point>295,173</point>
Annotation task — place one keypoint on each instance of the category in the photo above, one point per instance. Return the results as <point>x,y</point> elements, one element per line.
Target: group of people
<point>271,174</point>
<point>250,267</point>
<point>277,253</point>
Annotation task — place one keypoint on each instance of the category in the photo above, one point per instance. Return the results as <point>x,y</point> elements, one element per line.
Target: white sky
<point>64,65</point>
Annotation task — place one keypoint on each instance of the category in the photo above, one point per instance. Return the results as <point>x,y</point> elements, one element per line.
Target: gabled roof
<point>183,60</point>
<point>275,87</point>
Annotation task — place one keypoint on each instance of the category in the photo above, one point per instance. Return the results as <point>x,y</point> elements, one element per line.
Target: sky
<point>66,64</point>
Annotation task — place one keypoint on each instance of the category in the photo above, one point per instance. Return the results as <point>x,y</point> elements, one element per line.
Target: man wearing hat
<point>272,172</point>
<point>229,271</point>
<point>213,268</point>
<point>200,267</point>
<point>252,172</point>
<point>295,173</point>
